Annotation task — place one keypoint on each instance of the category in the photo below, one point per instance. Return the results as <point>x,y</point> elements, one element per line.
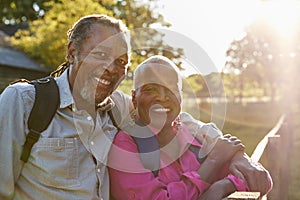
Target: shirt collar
<point>183,135</point>
<point>66,98</point>
<point>185,138</point>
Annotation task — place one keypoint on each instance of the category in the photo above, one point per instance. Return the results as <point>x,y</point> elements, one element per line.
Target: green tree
<point>20,11</point>
<point>139,16</point>
<point>264,58</point>
<point>46,38</point>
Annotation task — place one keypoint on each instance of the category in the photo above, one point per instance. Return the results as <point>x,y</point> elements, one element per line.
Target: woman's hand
<point>225,148</point>
<point>222,153</point>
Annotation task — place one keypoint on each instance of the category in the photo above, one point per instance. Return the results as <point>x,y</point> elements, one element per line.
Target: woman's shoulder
<point>125,141</point>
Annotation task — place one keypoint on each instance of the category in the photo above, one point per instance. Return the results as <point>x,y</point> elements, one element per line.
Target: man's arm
<point>12,137</point>
<point>257,177</point>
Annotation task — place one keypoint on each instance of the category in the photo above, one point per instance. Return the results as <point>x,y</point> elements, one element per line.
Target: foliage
<point>264,59</point>
<point>126,86</point>
<point>45,40</point>
<point>210,85</point>
<point>195,84</point>
<point>18,11</point>
<point>146,41</point>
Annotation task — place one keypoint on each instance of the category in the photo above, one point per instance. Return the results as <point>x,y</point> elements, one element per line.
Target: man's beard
<point>88,95</point>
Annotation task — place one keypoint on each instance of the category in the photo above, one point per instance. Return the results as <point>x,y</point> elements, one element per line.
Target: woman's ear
<point>133,98</point>
<point>71,53</point>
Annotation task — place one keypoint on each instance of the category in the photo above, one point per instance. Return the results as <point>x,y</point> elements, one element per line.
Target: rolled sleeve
<point>238,183</point>
<point>195,178</point>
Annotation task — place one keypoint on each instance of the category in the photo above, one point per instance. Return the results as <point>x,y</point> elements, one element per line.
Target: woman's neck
<point>165,136</point>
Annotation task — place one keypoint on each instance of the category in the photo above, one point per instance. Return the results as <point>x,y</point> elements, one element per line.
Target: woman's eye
<point>149,89</point>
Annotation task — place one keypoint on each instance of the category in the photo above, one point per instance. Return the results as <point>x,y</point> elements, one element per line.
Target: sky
<point>214,24</point>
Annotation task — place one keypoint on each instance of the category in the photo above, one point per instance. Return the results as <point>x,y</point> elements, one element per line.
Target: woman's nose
<point>163,94</point>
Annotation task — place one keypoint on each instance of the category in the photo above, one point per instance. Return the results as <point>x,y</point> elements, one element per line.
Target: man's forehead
<point>109,47</point>
<point>113,44</point>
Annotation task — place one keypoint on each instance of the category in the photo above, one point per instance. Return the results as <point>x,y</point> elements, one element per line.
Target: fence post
<point>286,146</point>
<point>273,164</point>
<point>244,196</point>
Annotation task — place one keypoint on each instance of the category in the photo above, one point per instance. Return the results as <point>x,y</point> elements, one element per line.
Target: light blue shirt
<point>62,163</point>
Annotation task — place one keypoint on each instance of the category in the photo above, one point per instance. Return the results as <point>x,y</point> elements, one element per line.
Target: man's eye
<point>101,54</point>
<point>121,62</point>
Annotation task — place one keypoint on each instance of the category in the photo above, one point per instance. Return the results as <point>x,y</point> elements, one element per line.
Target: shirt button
<point>92,142</point>
<point>98,170</point>
<point>131,195</point>
<point>89,118</point>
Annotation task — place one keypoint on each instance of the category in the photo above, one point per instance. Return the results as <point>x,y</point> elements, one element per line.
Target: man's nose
<point>111,67</point>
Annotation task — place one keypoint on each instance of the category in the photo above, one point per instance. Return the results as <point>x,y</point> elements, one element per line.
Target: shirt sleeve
<point>123,109</point>
<point>238,183</point>
<point>206,133</point>
<point>12,138</point>
<point>130,180</point>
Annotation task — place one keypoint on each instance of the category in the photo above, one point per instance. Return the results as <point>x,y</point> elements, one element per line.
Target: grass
<point>250,123</point>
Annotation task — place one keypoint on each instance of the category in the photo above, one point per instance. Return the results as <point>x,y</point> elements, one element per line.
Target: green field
<point>251,122</point>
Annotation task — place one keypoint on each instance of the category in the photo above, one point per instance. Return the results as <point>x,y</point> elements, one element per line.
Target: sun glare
<point>283,14</point>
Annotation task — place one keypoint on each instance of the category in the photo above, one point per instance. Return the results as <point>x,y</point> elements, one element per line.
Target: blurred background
<point>248,54</point>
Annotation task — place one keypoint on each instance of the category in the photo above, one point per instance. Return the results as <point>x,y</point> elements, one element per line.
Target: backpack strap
<point>196,150</point>
<point>147,145</point>
<point>44,108</point>
<point>144,138</point>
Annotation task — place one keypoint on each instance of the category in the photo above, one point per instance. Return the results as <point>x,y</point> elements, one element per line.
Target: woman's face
<point>99,66</point>
<point>156,105</point>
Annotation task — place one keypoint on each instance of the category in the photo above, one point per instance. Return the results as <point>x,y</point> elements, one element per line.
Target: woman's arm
<point>219,190</point>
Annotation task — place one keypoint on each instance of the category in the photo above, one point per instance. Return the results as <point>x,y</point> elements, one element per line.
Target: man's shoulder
<point>122,101</point>
<point>22,89</point>
<point>118,95</point>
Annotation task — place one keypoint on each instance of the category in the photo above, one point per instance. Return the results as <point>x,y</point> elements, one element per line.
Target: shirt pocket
<point>55,162</point>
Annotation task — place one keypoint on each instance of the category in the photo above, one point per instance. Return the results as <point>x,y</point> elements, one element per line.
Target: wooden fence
<point>273,152</point>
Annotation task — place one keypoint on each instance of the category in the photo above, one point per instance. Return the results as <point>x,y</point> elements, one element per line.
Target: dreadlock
<point>60,69</point>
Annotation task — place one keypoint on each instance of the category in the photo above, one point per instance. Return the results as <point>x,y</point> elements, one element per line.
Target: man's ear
<point>133,98</point>
<point>71,53</point>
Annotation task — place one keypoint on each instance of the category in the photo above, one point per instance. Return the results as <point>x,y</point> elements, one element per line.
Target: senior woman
<point>160,140</point>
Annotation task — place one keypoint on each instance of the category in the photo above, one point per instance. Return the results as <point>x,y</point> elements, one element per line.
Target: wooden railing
<point>273,152</point>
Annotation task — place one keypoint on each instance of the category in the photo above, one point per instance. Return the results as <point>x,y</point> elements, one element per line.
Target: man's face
<point>156,105</point>
<point>100,65</point>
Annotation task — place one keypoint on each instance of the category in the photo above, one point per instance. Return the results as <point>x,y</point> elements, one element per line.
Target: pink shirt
<point>177,178</point>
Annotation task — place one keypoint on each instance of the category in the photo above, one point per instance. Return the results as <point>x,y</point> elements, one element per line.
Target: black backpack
<point>44,108</point>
